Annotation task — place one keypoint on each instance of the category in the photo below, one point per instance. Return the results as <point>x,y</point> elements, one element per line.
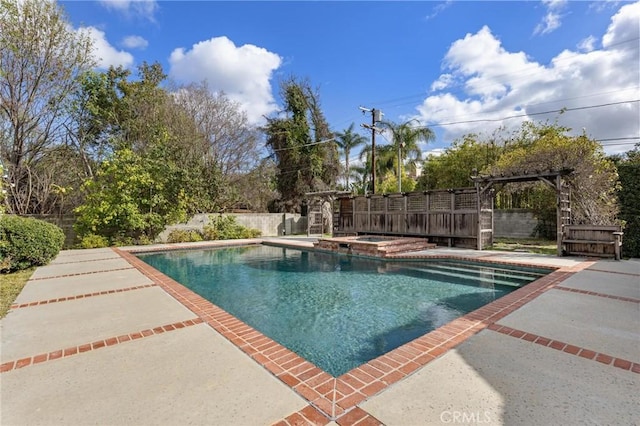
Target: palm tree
<point>405,137</point>
<point>346,141</point>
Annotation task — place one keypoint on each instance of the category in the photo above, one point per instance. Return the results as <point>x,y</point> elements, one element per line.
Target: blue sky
<point>436,62</point>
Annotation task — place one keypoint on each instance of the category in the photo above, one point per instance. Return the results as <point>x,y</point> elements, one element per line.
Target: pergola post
<point>559,217</point>
<point>479,221</point>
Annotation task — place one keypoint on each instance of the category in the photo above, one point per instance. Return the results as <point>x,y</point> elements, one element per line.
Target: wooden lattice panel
<point>486,201</point>
<point>362,204</point>
<point>416,202</point>
<point>377,204</point>
<point>440,201</point>
<point>465,201</point>
<point>485,220</point>
<point>395,204</point>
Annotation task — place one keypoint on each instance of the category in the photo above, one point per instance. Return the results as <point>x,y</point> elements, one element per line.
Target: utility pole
<point>376,116</point>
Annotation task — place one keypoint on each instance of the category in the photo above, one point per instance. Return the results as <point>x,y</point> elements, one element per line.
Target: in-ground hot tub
<point>373,245</point>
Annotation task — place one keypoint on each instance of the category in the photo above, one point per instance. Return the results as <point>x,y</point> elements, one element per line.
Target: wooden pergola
<point>553,178</point>
<point>315,212</point>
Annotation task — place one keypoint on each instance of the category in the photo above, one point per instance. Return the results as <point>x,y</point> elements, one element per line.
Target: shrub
<point>226,228</point>
<point>26,242</point>
<point>184,236</point>
<point>131,199</point>
<point>629,196</point>
<point>90,241</point>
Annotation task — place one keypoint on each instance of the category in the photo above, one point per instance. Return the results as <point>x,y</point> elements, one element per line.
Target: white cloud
<point>439,8</point>
<point>436,152</point>
<point>243,73</point>
<point>552,20</point>
<point>444,81</point>
<point>484,81</point>
<point>130,8</point>
<point>603,5</point>
<point>104,52</point>
<point>134,42</point>
<point>588,44</point>
<point>624,28</point>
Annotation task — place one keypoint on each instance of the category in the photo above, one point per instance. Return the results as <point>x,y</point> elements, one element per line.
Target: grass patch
<point>525,245</point>
<point>10,286</point>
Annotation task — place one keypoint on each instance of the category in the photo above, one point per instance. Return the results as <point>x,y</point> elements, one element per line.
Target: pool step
<point>385,247</point>
<point>495,271</point>
<point>473,277</point>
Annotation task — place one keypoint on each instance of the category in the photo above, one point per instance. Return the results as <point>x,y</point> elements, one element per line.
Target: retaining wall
<point>515,223</point>
<point>507,223</point>
<point>269,224</point>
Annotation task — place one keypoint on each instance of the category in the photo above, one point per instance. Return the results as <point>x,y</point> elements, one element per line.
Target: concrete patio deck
<point>96,337</point>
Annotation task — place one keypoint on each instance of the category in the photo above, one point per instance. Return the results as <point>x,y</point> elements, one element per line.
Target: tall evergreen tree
<point>299,139</point>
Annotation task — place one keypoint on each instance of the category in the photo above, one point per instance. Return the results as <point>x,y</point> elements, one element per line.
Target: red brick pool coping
<point>337,398</point>
<point>334,398</point>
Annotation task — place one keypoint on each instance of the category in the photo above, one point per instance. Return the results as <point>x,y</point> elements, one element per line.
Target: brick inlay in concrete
<point>595,293</point>
<point>567,348</point>
<point>74,350</point>
<point>80,296</point>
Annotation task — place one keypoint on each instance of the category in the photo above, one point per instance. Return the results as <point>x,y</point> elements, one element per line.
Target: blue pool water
<point>337,311</point>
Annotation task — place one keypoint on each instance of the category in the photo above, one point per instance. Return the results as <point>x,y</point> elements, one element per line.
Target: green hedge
<point>629,198</point>
<point>26,242</point>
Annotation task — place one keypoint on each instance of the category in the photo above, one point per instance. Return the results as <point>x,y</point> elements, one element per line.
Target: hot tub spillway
<point>369,245</point>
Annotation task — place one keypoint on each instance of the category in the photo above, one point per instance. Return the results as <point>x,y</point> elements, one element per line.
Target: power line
<point>561,110</point>
<point>620,144</point>
<point>306,144</point>
<point>618,139</point>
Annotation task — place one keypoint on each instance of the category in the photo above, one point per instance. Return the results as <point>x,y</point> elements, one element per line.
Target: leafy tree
<point>346,141</point>
<point>159,168</point>
<point>96,114</point>
<point>131,198</point>
<point>229,143</point>
<point>542,146</point>
<point>297,140</point>
<point>229,139</point>
<point>41,58</point>
<point>141,116</point>
<point>390,184</point>
<point>532,148</point>
<point>257,188</point>
<point>453,168</point>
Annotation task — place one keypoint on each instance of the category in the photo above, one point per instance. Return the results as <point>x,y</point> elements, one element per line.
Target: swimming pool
<point>337,311</point>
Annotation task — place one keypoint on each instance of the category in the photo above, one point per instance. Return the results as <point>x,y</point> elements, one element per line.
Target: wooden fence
<point>592,240</point>
<point>455,218</point>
